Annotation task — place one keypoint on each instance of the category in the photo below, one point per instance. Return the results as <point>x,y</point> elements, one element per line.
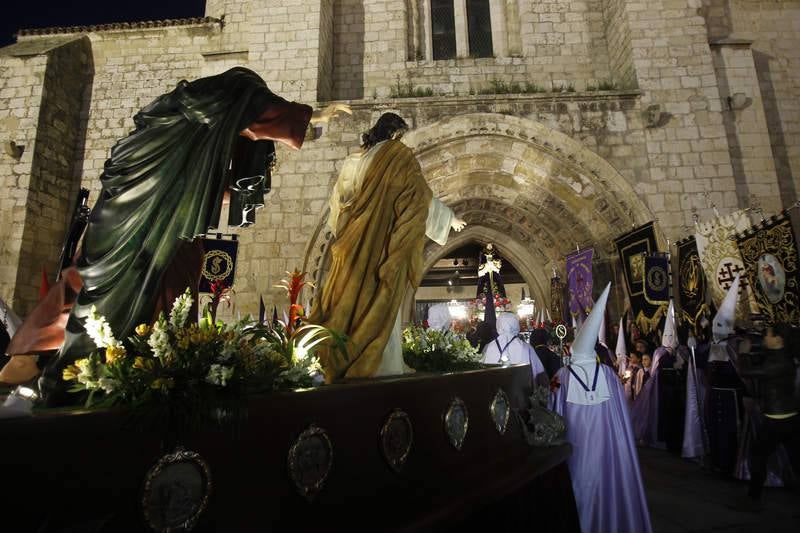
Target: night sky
<point>45,13</point>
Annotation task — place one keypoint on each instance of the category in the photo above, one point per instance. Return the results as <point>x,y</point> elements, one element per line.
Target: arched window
<point>479,28</point>
<point>443,29</point>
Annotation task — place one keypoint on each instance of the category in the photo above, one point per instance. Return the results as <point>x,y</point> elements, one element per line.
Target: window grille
<point>479,27</point>
<point>443,26</point>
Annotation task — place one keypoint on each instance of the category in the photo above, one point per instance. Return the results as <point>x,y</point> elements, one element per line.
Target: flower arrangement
<point>194,367</point>
<point>438,351</point>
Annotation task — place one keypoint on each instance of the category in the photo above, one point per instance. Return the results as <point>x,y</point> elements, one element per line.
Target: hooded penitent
<point>621,350</point>
<point>508,345</point>
<point>439,317</point>
<point>583,362</point>
<point>722,324</point>
<point>604,465</point>
<point>669,339</point>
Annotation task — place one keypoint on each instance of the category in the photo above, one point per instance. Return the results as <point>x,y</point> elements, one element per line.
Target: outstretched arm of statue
<point>287,122</point>
<point>321,116</point>
<point>457,223</point>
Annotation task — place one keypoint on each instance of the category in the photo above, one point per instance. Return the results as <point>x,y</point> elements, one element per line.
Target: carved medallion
<point>500,410</point>
<point>176,491</point>
<point>310,459</point>
<point>456,423</point>
<point>397,437</point>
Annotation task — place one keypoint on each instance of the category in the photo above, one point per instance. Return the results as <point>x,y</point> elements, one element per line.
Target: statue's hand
<point>457,224</point>
<point>329,112</point>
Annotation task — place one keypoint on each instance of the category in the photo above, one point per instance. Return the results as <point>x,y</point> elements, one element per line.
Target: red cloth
<point>43,329</point>
<point>44,286</point>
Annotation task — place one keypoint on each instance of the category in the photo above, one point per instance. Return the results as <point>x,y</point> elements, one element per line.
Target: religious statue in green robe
<point>162,188</point>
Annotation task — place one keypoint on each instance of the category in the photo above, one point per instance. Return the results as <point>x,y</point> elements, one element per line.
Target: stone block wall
<point>746,127</point>
<point>688,147</point>
<point>46,116</point>
<point>774,28</point>
<point>284,40</point>
<point>21,86</point>
<point>618,37</point>
<point>55,171</point>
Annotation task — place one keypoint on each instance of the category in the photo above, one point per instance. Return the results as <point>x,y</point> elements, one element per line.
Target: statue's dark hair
<point>387,125</point>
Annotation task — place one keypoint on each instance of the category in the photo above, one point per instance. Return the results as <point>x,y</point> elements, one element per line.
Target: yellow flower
<point>142,330</point>
<point>143,364</point>
<point>82,364</point>
<point>114,353</point>
<point>162,383</point>
<point>70,373</point>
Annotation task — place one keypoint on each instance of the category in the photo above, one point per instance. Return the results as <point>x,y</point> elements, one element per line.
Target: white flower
<point>219,375</point>
<point>98,329</point>
<point>107,384</point>
<point>159,341</point>
<point>180,310</point>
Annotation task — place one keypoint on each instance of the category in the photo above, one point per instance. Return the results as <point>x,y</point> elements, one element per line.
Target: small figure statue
<point>381,209</point>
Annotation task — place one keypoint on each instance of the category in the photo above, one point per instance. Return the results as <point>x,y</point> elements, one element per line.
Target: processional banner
<point>579,281</point>
<point>656,279</point>
<point>219,263</point>
<point>769,253</point>
<point>691,281</point>
<point>722,261</point>
<point>633,247</point>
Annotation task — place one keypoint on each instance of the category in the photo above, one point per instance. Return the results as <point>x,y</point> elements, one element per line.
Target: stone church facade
<point>548,124</point>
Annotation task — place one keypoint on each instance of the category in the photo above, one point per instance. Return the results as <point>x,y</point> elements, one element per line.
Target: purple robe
<point>604,465</point>
<point>644,410</point>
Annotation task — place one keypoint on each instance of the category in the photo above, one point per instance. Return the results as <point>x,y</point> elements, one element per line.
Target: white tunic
<point>518,351</point>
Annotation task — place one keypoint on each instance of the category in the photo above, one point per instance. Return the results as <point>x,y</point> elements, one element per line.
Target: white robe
<point>518,352</point>
<point>437,228</point>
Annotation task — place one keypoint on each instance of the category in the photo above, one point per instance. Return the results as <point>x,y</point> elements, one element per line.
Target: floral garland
<point>438,351</point>
<point>199,364</point>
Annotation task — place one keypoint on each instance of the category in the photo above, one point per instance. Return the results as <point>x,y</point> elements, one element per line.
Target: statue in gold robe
<point>381,209</point>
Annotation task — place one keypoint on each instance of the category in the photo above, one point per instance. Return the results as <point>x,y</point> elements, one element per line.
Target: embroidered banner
<point>721,259</point>
<point>219,263</point>
<point>579,281</point>
<point>691,281</point>
<point>769,253</point>
<point>656,279</point>
<point>632,248</point>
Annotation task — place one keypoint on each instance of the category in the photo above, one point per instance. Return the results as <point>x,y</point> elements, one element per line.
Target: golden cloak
<point>377,254</point>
